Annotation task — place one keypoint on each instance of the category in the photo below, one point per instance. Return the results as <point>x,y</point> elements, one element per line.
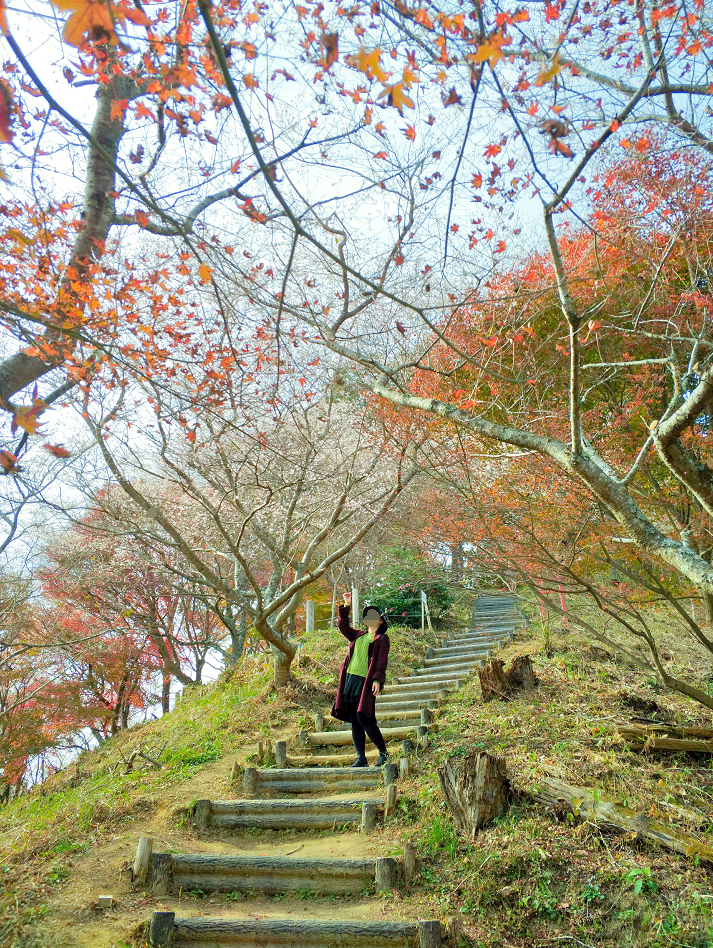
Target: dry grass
<point>533,879</point>
<point>530,880</point>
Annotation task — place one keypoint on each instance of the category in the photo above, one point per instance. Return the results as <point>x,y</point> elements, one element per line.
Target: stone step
<point>281,814</point>
<point>325,738</point>
<point>199,931</point>
<point>171,874</point>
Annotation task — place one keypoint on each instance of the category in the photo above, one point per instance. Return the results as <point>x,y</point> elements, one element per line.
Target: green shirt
<point>359,665</point>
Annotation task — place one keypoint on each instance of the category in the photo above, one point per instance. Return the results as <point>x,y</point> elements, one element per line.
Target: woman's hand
<point>347,599</point>
<point>376,688</point>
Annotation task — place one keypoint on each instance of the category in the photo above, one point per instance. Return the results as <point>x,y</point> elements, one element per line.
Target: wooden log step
<point>275,776</point>
<point>436,667</point>
<point>406,704</point>
<point>430,677</point>
<point>420,689</point>
<point>197,932</point>
<point>464,651</point>
<point>324,738</point>
<point>309,780</point>
<point>413,720</point>
<point>171,874</point>
<point>333,760</point>
<point>281,814</point>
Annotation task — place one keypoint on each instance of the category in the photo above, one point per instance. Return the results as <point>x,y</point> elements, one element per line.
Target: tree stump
<point>476,790</point>
<point>493,681</point>
<point>520,674</point>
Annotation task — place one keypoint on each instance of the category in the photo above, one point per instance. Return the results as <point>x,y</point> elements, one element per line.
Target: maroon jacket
<point>378,660</point>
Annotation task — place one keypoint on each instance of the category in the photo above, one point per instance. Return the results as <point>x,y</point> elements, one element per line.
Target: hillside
<point>531,879</point>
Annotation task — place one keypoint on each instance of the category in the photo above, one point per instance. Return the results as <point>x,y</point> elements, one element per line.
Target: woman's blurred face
<point>372,620</point>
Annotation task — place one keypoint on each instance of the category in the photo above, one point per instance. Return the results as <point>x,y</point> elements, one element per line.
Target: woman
<point>361,679</point>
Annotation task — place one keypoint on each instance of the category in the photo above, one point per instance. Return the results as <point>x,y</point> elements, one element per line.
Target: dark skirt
<point>353,687</point>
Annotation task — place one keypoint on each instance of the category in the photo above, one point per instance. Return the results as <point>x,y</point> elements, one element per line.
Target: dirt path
<point>77,922</point>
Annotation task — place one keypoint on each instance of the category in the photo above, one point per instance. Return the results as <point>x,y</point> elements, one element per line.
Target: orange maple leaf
<point>93,17</point>
<point>453,98</point>
<point>396,96</point>
<point>548,72</point>
<point>250,50</point>
<point>204,272</point>
<point>250,81</point>
<point>368,62</point>
<point>28,417</point>
<point>490,51</point>
<point>8,461</point>
<point>58,450</point>
<point>330,44</point>
<point>410,132</point>
<point>3,19</point>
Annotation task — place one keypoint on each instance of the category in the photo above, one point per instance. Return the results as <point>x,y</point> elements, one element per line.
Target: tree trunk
<point>281,663</point>
<point>493,681</point>
<point>166,695</point>
<point>476,790</point>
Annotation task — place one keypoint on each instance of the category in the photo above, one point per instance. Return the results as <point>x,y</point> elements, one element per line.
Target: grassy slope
<point>529,880</point>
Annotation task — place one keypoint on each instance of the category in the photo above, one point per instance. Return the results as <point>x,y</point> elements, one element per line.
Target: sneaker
<point>383,757</point>
<point>361,762</point>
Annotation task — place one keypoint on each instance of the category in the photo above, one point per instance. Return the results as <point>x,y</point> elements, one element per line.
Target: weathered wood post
<point>309,616</point>
<point>260,753</point>
<point>390,803</point>
<point>391,773</point>
<point>161,874</point>
<point>142,860</point>
<point>430,653</point>
<point>407,747</point>
<point>161,929</point>
<point>235,774</point>
<point>304,740</point>
<point>203,814</point>
<point>426,717</point>
<point>318,722</point>
<point>409,861</point>
<point>443,694</point>
<point>368,817</point>
<point>403,768</point>
<point>280,754</point>
<point>422,736</point>
<point>385,873</point>
<point>429,934</point>
<point>250,782</point>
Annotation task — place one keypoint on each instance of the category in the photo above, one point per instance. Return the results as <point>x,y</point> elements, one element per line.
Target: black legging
<point>362,724</point>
